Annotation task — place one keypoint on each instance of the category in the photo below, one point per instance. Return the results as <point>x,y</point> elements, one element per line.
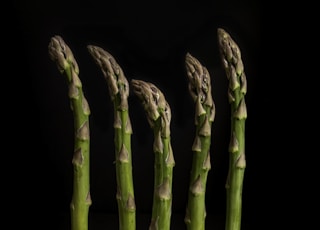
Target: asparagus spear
<point>200,91</point>
<point>159,117</point>
<point>61,54</point>
<point>119,92</point>
<point>233,65</point>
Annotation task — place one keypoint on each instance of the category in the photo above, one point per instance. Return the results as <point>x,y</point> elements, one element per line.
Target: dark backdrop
<point>149,41</point>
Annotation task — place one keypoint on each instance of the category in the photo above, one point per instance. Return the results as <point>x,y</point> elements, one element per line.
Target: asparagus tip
<point>60,53</point>
<point>152,99</point>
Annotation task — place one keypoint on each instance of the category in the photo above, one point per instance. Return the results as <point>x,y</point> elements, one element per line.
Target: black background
<point>149,41</point>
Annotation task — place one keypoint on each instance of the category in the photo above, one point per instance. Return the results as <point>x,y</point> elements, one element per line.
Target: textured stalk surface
<point>119,92</point>
<point>200,91</point>
<point>159,117</point>
<point>61,54</point>
<point>233,65</point>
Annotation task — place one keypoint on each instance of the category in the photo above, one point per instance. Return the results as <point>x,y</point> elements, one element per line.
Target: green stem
<point>200,91</point>
<point>231,60</point>
<point>61,54</point>
<point>119,92</point>
<point>159,117</point>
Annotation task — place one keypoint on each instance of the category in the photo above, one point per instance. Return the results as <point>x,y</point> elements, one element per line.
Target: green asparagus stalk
<point>119,91</point>
<point>233,65</point>
<point>200,91</point>
<point>61,54</point>
<point>159,117</point>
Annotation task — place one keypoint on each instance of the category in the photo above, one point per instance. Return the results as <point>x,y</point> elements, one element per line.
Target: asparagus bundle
<point>61,54</point>
<point>119,91</point>
<point>159,117</point>
<point>233,65</point>
<point>200,91</point>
